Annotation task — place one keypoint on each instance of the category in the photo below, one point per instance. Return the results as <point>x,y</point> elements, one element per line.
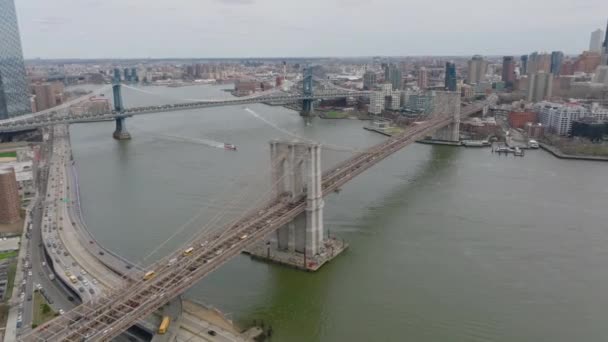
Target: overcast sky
<point>264,28</point>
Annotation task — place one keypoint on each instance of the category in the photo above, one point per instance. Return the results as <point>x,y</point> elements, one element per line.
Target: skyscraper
<point>595,43</point>
<point>477,69</point>
<point>423,78</point>
<point>540,86</point>
<point>392,75</point>
<point>556,62</point>
<point>538,62</point>
<point>523,68</point>
<point>47,95</point>
<point>532,63</point>
<point>369,80</point>
<point>450,76</point>
<point>14,97</point>
<point>508,70</point>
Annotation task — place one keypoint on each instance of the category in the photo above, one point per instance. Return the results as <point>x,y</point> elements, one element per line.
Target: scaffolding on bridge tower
<point>121,132</point>
<point>307,104</point>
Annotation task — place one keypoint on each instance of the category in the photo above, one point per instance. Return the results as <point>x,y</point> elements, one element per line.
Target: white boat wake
<point>273,125</point>
<point>206,142</point>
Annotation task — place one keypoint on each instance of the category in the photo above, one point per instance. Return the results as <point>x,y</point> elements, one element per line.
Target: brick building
<point>10,202</point>
<point>535,130</point>
<point>587,62</point>
<point>519,119</point>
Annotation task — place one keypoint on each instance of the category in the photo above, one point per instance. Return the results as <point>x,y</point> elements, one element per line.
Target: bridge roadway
<point>106,317</point>
<point>36,122</point>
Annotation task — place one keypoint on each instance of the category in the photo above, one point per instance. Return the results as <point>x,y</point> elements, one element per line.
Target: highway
<point>32,255</point>
<point>66,263</point>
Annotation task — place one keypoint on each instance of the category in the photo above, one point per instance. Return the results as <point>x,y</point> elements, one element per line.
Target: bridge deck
<point>107,317</point>
<point>48,120</point>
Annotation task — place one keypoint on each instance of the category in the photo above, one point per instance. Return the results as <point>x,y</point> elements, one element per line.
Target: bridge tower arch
<point>447,104</point>
<point>296,174</point>
<point>307,85</point>
<point>121,132</point>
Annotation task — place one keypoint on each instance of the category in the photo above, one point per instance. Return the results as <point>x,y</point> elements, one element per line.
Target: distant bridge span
<point>49,120</point>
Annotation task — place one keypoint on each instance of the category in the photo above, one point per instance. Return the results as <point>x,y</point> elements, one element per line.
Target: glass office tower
<point>14,94</point>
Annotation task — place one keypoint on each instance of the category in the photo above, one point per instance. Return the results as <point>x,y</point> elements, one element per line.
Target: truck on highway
<point>73,279</point>
<point>149,275</point>
<point>188,251</point>
<point>164,325</point>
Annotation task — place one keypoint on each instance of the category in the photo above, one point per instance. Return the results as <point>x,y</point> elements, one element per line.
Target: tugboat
<point>229,147</point>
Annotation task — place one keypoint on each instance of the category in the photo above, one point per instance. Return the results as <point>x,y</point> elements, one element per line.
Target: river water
<point>446,244</point>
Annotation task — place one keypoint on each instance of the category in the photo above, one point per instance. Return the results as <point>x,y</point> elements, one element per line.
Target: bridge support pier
<point>121,132</point>
<point>302,243</point>
<point>449,133</point>
<point>308,109</point>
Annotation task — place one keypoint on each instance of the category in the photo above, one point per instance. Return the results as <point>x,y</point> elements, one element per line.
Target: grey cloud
<point>236,2</point>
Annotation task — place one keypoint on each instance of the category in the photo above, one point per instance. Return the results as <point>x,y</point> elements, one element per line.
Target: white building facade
<point>558,117</point>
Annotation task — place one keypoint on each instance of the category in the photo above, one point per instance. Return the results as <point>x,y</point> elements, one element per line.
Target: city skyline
<point>256,28</point>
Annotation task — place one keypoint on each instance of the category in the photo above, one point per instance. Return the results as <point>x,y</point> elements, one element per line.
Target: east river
<point>446,244</point>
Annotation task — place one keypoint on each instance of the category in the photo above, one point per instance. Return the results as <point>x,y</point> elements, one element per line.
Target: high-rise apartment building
<point>508,70</point>
<point>587,62</point>
<point>540,86</point>
<point>558,117</point>
<point>423,78</point>
<point>595,43</point>
<point>14,95</point>
<point>538,62</point>
<point>450,76</point>
<point>523,66</point>
<point>567,68</point>
<point>557,57</point>
<point>477,69</point>
<point>369,80</point>
<point>47,95</point>
<point>376,102</point>
<point>392,74</point>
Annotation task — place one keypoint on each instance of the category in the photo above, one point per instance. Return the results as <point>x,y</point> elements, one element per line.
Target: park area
<point>42,311</point>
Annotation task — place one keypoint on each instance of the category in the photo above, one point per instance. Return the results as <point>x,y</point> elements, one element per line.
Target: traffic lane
<point>54,289</point>
<point>27,310</point>
<point>61,262</point>
<point>41,272</point>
